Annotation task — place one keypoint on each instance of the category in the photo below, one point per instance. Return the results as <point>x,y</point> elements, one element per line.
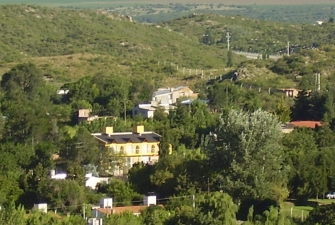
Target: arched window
<point>153,149</point>
<point>122,150</point>
<point>137,151</point>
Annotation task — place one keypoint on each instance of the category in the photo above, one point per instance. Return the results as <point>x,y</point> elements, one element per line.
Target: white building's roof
<point>164,91</point>
<point>59,176</point>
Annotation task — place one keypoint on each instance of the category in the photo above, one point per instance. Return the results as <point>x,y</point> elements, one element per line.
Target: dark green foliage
<point>139,177</point>
<point>26,103</point>
<point>227,95</point>
<point>12,215</point>
<point>82,149</point>
<point>309,154</point>
<point>121,191</point>
<point>67,195</point>
<point>123,219</point>
<point>172,175</point>
<point>247,159</point>
<point>259,207</point>
<point>155,215</point>
<point>230,60</point>
<point>322,215</point>
<point>313,106</point>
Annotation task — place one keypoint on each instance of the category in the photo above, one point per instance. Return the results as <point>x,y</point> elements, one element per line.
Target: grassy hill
<point>254,35</point>
<point>68,44</point>
<point>72,43</point>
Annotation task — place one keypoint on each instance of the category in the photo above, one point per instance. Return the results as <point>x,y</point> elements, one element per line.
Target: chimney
<point>150,200</point>
<point>108,130</point>
<point>138,129</point>
<point>52,173</point>
<point>106,203</point>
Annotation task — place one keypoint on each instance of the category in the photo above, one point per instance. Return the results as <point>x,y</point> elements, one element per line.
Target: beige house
<point>290,92</point>
<point>171,95</point>
<point>85,115</point>
<point>136,146</point>
<point>164,98</point>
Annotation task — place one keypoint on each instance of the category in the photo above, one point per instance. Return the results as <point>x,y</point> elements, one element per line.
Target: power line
<point>123,202</point>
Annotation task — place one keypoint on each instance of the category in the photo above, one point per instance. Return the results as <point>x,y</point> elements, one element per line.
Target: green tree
<point>139,177</point>
<point>10,215</point>
<point>82,149</point>
<point>121,191</point>
<point>218,208</point>
<point>67,195</point>
<point>10,190</point>
<point>322,215</point>
<point>155,215</point>
<point>283,111</point>
<point>248,159</point>
<point>230,59</point>
<point>26,103</point>
<point>123,219</point>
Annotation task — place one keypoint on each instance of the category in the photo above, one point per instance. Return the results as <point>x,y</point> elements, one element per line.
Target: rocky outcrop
<point>242,74</point>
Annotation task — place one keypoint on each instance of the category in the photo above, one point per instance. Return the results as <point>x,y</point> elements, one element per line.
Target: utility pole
<point>319,81</point>
<point>193,199</point>
<point>288,48</point>
<point>125,112</point>
<point>228,40</point>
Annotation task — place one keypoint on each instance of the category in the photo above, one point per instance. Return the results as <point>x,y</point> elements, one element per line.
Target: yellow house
<point>136,146</point>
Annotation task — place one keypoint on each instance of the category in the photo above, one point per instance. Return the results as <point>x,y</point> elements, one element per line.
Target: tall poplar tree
<point>247,158</point>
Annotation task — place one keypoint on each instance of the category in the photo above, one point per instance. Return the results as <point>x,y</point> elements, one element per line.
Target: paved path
<point>251,55</point>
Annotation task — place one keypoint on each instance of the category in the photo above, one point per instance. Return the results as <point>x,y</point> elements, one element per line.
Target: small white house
<point>43,207</point>
<point>92,181</point>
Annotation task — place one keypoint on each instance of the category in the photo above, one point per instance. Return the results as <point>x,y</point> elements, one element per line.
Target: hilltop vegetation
<point>253,35</point>
<point>114,42</point>
<point>156,11</point>
<point>70,44</point>
<point>303,13</point>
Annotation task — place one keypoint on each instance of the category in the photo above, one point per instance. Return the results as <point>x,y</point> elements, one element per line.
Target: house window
<point>137,151</point>
<point>122,150</point>
<point>152,148</point>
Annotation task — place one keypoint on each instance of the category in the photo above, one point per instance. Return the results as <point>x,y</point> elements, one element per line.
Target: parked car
<point>330,195</point>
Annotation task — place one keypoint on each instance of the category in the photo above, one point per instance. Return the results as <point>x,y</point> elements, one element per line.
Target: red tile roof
<point>310,124</point>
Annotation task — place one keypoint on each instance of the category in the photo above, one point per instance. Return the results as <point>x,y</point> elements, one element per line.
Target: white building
<point>92,181</point>
<point>43,207</point>
<point>165,98</point>
<point>57,176</point>
<point>148,110</point>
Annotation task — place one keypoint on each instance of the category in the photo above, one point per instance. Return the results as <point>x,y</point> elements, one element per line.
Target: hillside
<point>63,39</point>
<point>253,35</point>
<point>70,44</point>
